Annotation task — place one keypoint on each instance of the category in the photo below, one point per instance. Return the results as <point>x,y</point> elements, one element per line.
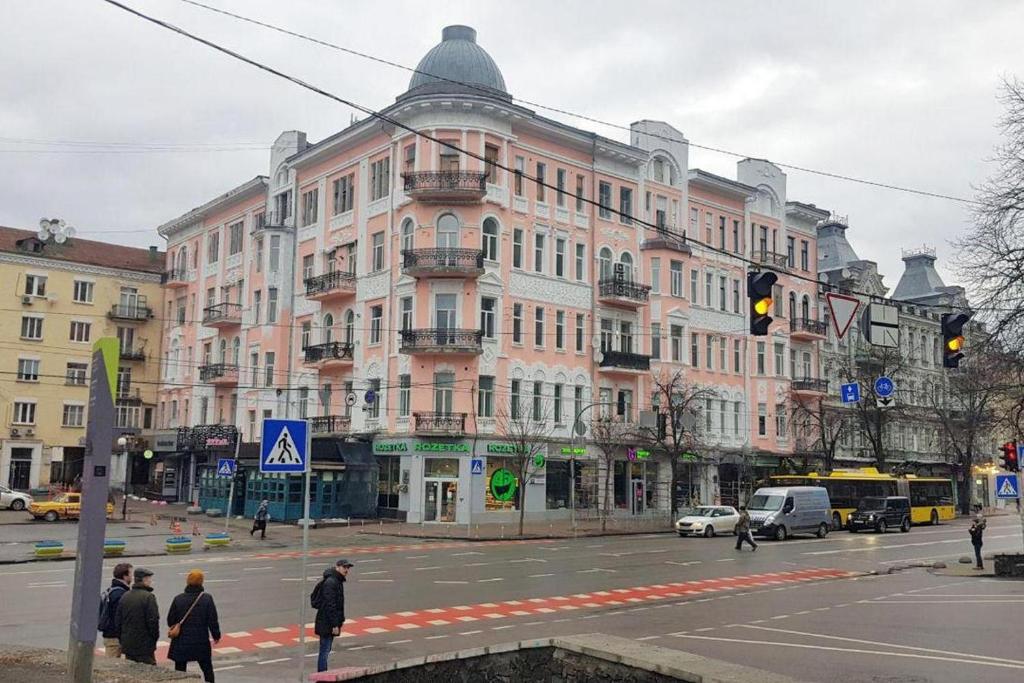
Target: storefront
<point>164,468</point>
<point>423,480</point>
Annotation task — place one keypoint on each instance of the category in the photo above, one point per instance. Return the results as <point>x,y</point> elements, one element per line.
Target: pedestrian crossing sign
<point>225,467</point>
<point>284,446</point>
<point>1006,486</point>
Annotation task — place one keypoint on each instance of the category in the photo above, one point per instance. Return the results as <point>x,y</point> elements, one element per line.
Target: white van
<point>779,512</point>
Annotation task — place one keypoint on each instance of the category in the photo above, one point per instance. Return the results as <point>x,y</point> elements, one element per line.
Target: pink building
<point>402,294</point>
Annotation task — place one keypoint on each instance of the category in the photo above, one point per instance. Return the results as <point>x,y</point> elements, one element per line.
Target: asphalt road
<point>802,601</point>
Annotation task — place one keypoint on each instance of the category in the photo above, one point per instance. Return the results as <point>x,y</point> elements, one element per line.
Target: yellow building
<point>59,295</point>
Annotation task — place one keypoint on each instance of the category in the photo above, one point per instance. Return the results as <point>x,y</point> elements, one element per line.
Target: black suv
<point>880,513</point>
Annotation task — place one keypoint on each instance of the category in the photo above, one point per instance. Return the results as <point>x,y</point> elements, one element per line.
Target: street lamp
<point>122,441</point>
<point>578,428</point>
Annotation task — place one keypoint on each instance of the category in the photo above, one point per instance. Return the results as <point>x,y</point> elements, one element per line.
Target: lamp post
<point>576,428</point>
<point>122,441</point>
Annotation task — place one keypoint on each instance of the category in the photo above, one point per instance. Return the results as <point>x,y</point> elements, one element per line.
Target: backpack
<point>106,619</point>
<point>316,598</point>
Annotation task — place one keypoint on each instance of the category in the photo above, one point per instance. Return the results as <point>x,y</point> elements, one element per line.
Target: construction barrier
<point>49,549</point>
<point>178,544</point>
<point>112,547</point>
<point>217,539</point>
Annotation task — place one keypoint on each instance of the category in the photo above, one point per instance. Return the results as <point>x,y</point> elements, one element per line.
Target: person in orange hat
<point>192,621</point>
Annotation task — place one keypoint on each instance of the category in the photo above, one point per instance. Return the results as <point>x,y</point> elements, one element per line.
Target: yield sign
<point>843,308</point>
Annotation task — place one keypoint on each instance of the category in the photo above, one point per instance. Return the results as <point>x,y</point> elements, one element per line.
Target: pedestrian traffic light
<point>953,338</point>
<point>759,293</point>
<point>1008,460</point>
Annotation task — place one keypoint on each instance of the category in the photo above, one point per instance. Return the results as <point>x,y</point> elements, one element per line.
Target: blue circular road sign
<point>884,387</point>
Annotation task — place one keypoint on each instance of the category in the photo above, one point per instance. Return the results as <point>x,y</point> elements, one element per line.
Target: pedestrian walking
<point>977,532</point>
<point>138,619</point>
<point>328,599</point>
<point>108,608</point>
<point>259,520</point>
<point>743,530</point>
<point>192,622</point>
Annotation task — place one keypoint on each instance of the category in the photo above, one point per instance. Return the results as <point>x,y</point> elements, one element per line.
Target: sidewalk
<point>554,529</point>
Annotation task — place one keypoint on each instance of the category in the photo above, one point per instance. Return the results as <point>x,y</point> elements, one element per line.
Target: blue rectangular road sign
<point>1007,486</point>
<point>850,393</point>
<point>285,446</point>
<point>226,467</point>
<point>476,466</point>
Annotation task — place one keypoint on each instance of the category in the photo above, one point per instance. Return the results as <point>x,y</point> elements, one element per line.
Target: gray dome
<point>457,58</point>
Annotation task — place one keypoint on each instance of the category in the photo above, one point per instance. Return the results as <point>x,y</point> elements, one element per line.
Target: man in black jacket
<point>108,609</point>
<point>330,608</point>
<point>138,620</point>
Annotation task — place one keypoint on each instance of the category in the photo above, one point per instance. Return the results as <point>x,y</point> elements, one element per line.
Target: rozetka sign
<point>503,485</point>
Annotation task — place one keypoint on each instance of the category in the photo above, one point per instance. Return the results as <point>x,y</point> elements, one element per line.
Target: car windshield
<point>767,502</point>
<point>62,498</point>
<point>703,512</point>
<point>871,504</point>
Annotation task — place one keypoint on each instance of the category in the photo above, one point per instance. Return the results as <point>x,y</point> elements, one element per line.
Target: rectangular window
<point>792,363</point>
<point>780,420</point>
<point>625,405</point>
<point>491,163</point>
<point>235,238</point>
<point>213,247</point>
<point>257,305</point>
<point>489,240</point>
<point>577,402</point>
<point>735,296</point>
<point>518,184</point>
<point>607,335</point>
<point>123,383</point>
<point>376,318</point>
<point>258,253</point>
<point>540,182</point>
<point>708,280</point>
<point>762,419</point>
<point>80,331</point>
<point>538,253</point>
<point>517,248</point>
<point>254,368</point>
<point>723,300</point>
<point>74,416</point>
<point>380,178</point>
<point>31,327</point>
<point>378,251</point>
<point>560,257</point>
<point>780,360</point>
<point>517,323</point>
<point>694,222</point>
<point>676,338</point>
<point>723,352</point>
<point>488,306</point>
<point>515,398</point>
<point>777,300</point>
<point>579,333</point>
<point>676,278</point>
<point>344,194</point>
<point>694,289</point>
<point>560,184</point>
<point>275,254</point>
<point>580,193</point>
<point>604,199</point>
<point>736,236</point>
<point>709,352</point>
<point>694,349</point>
<point>404,395</point>
<point>28,370</point>
<point>35,285</point>
<point>721,233</point>
<point>538,401</point>
<point>538,326</point>
<point>790,252</point>
<point>24,413</point>
<point>560,330</point>
<point>308,266</point>
<point>556,403</point>
<point>82,292</point>
<point>626,336</point>
<point>410,158</point>
<point>310,206</point>
<point>268,369</point>
<point>485,402</point>
<point>304,402</point>
<point>374,408</point>
<point>736,365</point>
<point>76,373</point>
<point>449,157</point>
<point>272,305</point>
<point>656,340</point>
<point>581,261</point>
<point>307,330</point>
<point>707,227</point>
<point>804,255</point>
<point>656,275</point>
<point>625,205</point>
<point>760,357</point>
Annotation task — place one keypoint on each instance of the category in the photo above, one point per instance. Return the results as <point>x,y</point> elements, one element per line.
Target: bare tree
<point>609,434</point>
<point>992,254</point>
<point>818,427</point>
<point>870,363</point>
<point>526,435</point>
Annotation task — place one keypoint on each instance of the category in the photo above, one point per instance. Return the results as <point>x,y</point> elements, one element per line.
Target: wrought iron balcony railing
<point>625,360</point>
<point>771,258</point>
<point>175,277</point>
<point>337,281</point>
<point>440,423</point>
<point>441,340</point>
<point>443,260</point>
<point>459,183</point>
<point>223,314</point>
<point>817,386</point>
<point>333,350</point>
<point>623,289</point>
<point>218,371</point>
<point>133,354</point>
<point>808,326</point>
<point>330,424</point>
<point>136,312</point>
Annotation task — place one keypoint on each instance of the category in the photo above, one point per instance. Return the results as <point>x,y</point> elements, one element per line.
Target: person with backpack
<point>108,609</point>
<point>192,621</point>
<point>328,599</point>
<point>137,619</point>
<point>259,520</point>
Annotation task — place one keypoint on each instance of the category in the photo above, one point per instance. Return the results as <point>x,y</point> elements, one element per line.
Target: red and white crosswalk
<point>255,640</point>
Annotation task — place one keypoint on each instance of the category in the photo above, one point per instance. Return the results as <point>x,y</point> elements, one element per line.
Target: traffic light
<point>953,338</point>
<point>1008,460</point>
<point>759,293</point>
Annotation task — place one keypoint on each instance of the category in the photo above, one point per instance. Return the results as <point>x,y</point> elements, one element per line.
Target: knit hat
<point>194,578</point>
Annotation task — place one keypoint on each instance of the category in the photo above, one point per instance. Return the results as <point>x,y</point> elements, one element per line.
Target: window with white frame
<point>538,253</point>
<point>235,238</point>
<point>762,419</point>
<point>656,341</point>
<point>80,331</point>
<point>257,248</point>
<point>760,358</point>
<point>344,193</point>
<point>736,357</point>
<point>625,205</point>
<point>405,312</point>
<point>272,305</point>
<point>519,170</point>
<point>694,349</point>
<point>310,206</point>
<point>604,199</point>
<point>28,369</point>
<point>35,285</point>
<point>488,307</point>
<point>213,247</point>
<point>737,407</point>
<point>694,288</point>
<point>780,360</point>
<point>735,296</point>
<point>708,287</point>
<point>560,330</point>
<point>556,403</point>
<point>376,318</point>
<point>605,402</point>
<point>541,189</point>
<point>560,257</point>
<point>579,332</point>
<point>76,373</point>
<point>517,248</point>
<point>780,420</point>
<point>490,239</point>
<point>306,334</point>
<point>694,222</point>
<point>607,335</point>
<point>656,275</point>
<point>581,192</point>
<point>257,305</point>
<point>275,254</point>
<point>404,395</point>
<point>408,235</point>
<point>676,339</point>
<point>581,261</point>
<point>308,266</point>
<point>74,415</point>
<point>268,368</point>
<point>24,413</point>
<point>538,326</point>
<point>723,300</point>
<point>676,278</point>
<point>82,292</point>
<point>380,177</point>
<point>515,399</point>
<point>378,251</point>
<point>538,402</point>
<point>560,184</point>
<point>485,399</point>
<point>517,323</point>
<point>31,327</point>
<point>709,352</point>
<point>374,408</point>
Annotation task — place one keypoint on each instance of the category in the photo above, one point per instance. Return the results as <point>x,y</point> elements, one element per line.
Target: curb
<point>525,537</point>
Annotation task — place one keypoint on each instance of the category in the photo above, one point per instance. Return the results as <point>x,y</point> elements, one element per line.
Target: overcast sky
<point>903,93</point>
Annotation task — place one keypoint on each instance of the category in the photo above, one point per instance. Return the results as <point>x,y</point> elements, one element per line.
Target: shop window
<point>557,484</point>
<point>490,502</point>
<point>441,467</point>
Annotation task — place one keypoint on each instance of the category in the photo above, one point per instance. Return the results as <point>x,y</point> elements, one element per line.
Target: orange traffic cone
<point>175,527</point>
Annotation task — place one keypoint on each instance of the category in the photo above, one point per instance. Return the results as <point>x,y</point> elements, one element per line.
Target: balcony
<point>624,361</point>
<point>444,424</point>
<point>771,258</point>
<point>445,186</point>
<point>805,328</point>
<point>174,278</point>
<point>443,262</point>
<point>329,354</point>
<point>133,354</point>
<point>441,340</point>
<point>334,285</point>
<point>138,312</point>
<point>219,374</point>
<point>330,424</point>
<point>809,386</point>
<point>622,292</point>
<point>222,315</point>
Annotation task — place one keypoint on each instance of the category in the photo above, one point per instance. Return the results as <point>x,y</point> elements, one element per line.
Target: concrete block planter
<point>112,547</point>
<point>49,549</point>
<point>178,544</point>
<point>217,539</point>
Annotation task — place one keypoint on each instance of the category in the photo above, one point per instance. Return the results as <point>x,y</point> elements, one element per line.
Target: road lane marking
<point>375,580</point>
<point>649,638</point>
<point>726,559</point>
<point>946,602</point>
<point>489,580</point>
<point>471,552</point>
<point>439,637</point>
<point>238,666</point>
<point>359,647</point>
<point>426,569</point>
<point>453,582</point>
<point>380,571</point>
<point>415,557</point>
<point>274,661</point>
<point>526,559</point>
<point>254,569</point>
<point>538,576</point>
<point>473,633</point>
<point>398,642</point>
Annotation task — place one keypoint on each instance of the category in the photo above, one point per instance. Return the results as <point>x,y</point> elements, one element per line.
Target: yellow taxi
<point>64,506</point>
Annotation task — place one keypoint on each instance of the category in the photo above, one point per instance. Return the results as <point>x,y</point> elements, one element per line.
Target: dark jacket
<point>262,513</point>
<point>138,621</point>
<point>977,531</point>
<point>107,623</point>
<point>743,525</point>
<point>331,614</point>
<point>193,643</point>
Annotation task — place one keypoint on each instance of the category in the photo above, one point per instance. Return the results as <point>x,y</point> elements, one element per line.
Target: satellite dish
<point>69,231</point>
<point>60,238</point>
<point>350,398</point>
<point>581,427</point>
<point>43,234</point>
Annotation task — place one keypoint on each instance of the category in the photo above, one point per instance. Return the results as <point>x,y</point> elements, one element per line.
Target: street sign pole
<point>305,559</point>
<point>92,523</point>
<point>231,488</point>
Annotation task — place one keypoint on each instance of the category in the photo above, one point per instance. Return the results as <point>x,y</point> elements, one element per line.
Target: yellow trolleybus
<point>932,499</point>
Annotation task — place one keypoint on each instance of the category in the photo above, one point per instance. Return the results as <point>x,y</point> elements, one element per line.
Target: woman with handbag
<point>192,621</point>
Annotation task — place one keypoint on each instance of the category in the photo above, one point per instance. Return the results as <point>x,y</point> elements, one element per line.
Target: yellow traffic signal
<point>762,306</point>
<point>955,344</point>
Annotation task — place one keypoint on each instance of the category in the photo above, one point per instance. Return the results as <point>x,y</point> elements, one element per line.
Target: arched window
<point>407,234</point>
<point>490,239</point>
<point>236,349</point>
<point>350,326</point>
<point>792,306</point>
<point>182,261</point>
<point>328,324</point>
<point>447,232</point>
<point>223,350</point>
<point>805,308</point>
<point>604,258</point>
<point>626,259</point>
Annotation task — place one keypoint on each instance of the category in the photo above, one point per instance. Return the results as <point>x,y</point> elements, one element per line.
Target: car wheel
<point>852,530</point>
<point>50,516</point>
<point>934,518</point>
<point>822,530</point>
<point>905,526</point>
<point>780,533</point>
<point>682,535</point>
<point>18,505</point>
<point>709,532</point>
<point>837,521</point>
<point>882,527</point>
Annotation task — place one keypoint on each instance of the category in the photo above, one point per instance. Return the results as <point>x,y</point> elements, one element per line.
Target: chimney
<point>152,253</point>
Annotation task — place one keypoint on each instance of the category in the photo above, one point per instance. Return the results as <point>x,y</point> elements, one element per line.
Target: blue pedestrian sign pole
<point>226,467</point>
<point>850,393</point>
<point>884,387</point>
<point>1006,487</point>
<point>476,466</point>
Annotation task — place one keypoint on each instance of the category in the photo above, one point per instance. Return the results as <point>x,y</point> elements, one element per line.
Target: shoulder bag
<point>175,631</point>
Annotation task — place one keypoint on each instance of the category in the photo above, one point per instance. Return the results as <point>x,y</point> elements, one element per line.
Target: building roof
<point>76,250</point>
<point>834,252</point>
<point>920,279</point>
<point>456,58</point>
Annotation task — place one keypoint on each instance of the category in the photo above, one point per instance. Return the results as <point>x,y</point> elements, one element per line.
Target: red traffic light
<point>1009,460</point>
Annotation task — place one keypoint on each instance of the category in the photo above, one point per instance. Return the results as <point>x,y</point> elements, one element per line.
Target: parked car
<point>880,513</point>
<point>708,520</point>
<point>13,500</point>
<point>64,506</point>
<point>779,512</point>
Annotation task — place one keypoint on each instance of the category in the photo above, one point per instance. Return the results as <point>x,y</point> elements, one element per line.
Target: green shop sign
<point>689,457</point>
<point>390,447</point>
<point>441,447</point>
<point>506,448</point>
<point>567,450</point>
<point>503,485</point>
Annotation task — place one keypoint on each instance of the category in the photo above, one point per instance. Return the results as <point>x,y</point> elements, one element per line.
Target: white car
<point>13,500</point>
<point>708,520</point>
